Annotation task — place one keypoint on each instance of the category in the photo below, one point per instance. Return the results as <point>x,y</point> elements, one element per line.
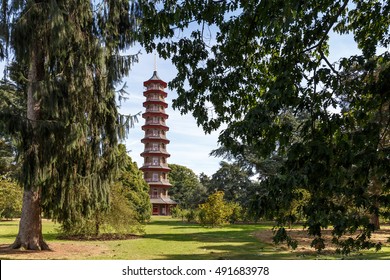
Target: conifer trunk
<point>30,226</point>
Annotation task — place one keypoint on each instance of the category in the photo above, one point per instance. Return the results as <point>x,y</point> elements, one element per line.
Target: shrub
<point>215,211</point>
<point>11,196</point>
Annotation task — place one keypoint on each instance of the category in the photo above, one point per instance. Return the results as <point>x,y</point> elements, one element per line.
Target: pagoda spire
<point>155,63</point>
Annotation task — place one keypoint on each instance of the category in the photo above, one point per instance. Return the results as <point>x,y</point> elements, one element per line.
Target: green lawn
<point>170,239</point>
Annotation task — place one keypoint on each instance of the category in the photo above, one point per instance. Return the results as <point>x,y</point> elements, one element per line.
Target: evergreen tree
<point>129,207</point>
<point>134,187</point>
<point>66,65</point>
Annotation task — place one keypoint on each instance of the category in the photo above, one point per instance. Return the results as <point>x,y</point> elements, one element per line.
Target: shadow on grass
<point>228,242</point>
<point>237,241</point>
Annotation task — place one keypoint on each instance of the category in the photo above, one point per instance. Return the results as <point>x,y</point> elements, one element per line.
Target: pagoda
<point>155,167</point>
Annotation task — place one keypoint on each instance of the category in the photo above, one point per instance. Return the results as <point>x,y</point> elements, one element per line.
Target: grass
<point>170,239</point>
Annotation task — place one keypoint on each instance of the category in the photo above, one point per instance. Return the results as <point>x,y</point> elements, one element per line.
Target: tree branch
<point>318,45</point>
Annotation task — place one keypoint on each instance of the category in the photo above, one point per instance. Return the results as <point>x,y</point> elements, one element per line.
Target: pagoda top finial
<point>155,63</point>
<point>155,77</point>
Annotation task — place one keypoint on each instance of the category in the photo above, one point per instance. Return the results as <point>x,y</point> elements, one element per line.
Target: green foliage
<point>268,69</point>
<point>186,188</point>
<point>215,211</point>
<point>119,218</point>
<point>238,213</point>
<point>190,215</point>
<point>11,196</point>
<point>178,212</point>
<point>65,66</point>
<point>129,207</point>
<point>7,156</point>
<point>134,187</point>
<point>232,180</point>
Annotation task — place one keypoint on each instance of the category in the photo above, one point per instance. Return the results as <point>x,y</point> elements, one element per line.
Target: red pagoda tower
<point>155,167</point>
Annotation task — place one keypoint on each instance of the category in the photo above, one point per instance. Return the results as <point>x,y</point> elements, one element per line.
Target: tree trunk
<point>374,219</point>
<point>375,190</point>
<point>30,226</point>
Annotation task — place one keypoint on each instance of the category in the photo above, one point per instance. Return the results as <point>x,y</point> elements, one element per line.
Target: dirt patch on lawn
<point>304,240</point>
<point>58,251</point>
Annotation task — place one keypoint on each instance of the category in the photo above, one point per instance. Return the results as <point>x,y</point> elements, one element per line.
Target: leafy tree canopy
<point>232,180</point>
<point>269,58</point>
<point>186,188</point>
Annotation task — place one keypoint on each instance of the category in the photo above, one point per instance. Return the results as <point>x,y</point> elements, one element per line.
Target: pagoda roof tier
<point>155,153</point>
<point>158,183</point>
<point>155,168</point>
<point>154,91</point>
<point>158,102</point>
<point>154,114</point>
<point>155,140</point>
<point>161,200</point>
<point>155,79</point>
<point>154,136</point>
<point>156,126</point>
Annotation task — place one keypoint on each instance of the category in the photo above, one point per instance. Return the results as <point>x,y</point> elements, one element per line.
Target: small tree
<point>10,198</point>
<point>215,211</point>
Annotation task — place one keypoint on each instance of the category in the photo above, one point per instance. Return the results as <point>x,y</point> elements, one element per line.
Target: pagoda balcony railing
<point>159,196</point>
<point>155,87</point>
<point>153,149</point>
<point>155,122</point>
<point>155,110</point>
<point>155,164</point>
<point>155,98</point>
<point>151,180</point>
<point>155,135</point>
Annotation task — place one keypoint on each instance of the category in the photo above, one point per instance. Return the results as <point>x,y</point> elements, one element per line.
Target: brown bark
<point>375,189</point>
<point>30,226</point>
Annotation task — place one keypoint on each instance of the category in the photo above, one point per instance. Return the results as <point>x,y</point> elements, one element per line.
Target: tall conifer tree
<point>66,65</point>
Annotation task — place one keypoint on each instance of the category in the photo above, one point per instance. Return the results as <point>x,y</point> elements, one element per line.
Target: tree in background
<point>65,66</point>
<point>186,188</point>
<point>10,198</point>
<point>10,192</point>
<point>268,58</point>
<point>129,207</point>
<point>7,156</point>
<point>215,211</point>
<point>134,188</point>
<point>232,180</point>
